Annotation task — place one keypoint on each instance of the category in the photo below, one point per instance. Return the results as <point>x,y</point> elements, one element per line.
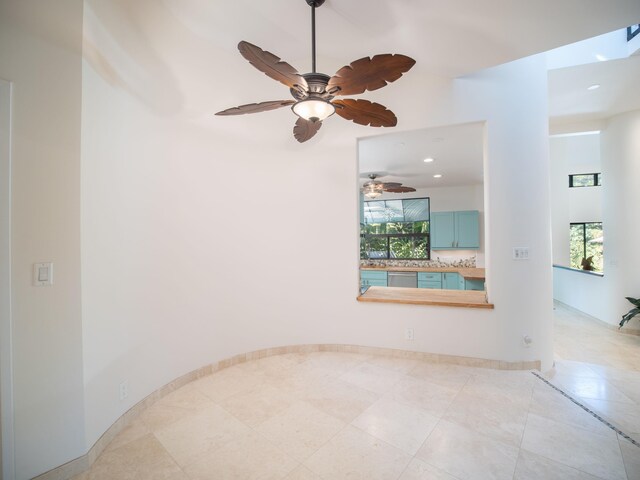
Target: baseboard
<point>83,463</point>
<point>624,330</point>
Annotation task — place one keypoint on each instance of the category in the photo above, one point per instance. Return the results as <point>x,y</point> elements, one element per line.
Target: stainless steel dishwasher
<point>403,279</point>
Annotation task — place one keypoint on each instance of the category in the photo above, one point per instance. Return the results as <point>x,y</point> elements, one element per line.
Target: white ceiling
<point>571,102</point>
<point>180,58</point>
<point>399,157</point>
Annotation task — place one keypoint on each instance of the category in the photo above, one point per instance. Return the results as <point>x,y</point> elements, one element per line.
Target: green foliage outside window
<point>402,240</point>
<point>586,240</point>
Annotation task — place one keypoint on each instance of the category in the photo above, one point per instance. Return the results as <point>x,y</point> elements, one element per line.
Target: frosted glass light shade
<point>313,109</point>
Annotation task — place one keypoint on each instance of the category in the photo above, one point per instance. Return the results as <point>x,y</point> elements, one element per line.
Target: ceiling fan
<point>374,188</point>
<point>314,92</point>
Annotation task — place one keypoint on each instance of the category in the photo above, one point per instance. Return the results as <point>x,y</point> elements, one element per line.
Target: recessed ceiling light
<point>428,160</point>
<point>437,175</point>
<point>595,86</point>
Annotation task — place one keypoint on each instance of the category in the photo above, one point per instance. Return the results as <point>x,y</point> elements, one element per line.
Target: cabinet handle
<point>453,244</point>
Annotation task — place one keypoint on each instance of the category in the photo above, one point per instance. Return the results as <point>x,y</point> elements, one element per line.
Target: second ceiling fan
<point>314,92</point>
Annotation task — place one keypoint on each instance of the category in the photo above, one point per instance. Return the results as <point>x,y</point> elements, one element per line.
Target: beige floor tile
<point>419,470</point>
<point>434,399</point>
<point>551,404</point>
<point>274,366</point>
<point>400,425</point>
<point>302,473</point>
<point>590,387</point>
<point>399,365</point>
<point>629,387</point>
<point>534,467</point>
<point>300,429</point>
<point>371,377</point>
<point>141,459</point>
<point>490,415</point>
<point>133,431</point>
<point>251,457</point>
<point>625,415</point>
<point>465,453</point>
<point>255,406</point>
<point>354,454</point>
<point>631,456</point>
<point>455,376</point>
<point>338,362</point>
<point>175,406</point>
<point>595,454</point>
<point>227,382</point>
<point>570,367</point>
<point>192,437</point>
<point>340,399</point>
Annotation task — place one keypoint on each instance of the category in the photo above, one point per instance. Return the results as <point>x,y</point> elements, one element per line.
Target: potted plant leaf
<point>631,313</point>
<point>587,263</point>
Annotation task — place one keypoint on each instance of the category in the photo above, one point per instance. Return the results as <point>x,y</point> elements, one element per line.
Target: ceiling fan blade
<point>272,66</point>
<point>305,129</point>
<point>391,184</point>
<point>400,189</point>
<point>369,74</point>
<point>256,107</point>
<point>364,112</point>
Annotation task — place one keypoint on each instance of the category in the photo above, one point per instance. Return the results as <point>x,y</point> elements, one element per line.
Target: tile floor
<point>334,416</point>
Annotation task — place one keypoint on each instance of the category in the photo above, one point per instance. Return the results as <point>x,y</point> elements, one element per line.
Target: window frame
<point>631,32</point>
<point>388,236</point>
<point>584,237</point>
<point>597,181</point>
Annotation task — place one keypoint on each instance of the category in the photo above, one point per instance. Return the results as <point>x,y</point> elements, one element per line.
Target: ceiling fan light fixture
<point>313,109</point>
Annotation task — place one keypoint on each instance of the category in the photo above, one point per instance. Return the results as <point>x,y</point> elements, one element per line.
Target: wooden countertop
<point>426,296</point>
<point>467,273</point>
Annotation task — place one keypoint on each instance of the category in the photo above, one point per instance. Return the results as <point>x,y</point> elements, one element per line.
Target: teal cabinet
<point>467,229</point>
<point>455,230</point>
<point>474,284</point>
<point>442,227</point>
<point>451,281</point>
<point>372,278</point>
<point>429,280</point>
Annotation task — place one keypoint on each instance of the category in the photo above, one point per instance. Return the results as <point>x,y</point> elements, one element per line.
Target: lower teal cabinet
<point>451,281</point>
<point>371,278</point>
<point>429,280</point>
<point>474,284</point>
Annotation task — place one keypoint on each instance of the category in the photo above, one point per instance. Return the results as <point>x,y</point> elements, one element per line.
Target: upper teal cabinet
<point>455,230</point>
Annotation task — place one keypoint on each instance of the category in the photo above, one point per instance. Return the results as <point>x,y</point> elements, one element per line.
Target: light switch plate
<point>43,274</point>
<point>521,253</point>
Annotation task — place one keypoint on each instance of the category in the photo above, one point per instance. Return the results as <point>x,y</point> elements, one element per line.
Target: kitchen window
<point>586,240</point>
<point>395,229</point>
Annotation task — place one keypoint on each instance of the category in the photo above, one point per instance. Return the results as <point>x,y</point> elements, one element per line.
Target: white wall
<point>603,297</point>
<point>40,52</point>
<point>572,154</point>
<point>173,202</point>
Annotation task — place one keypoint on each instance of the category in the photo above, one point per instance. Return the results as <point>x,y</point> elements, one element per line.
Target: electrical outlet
<point>124,390</point>
<point>527,341</point>
<point>408,333</point>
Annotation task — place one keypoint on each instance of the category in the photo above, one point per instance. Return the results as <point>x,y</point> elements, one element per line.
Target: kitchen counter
<point>427,296</point>
<point>466,273</point>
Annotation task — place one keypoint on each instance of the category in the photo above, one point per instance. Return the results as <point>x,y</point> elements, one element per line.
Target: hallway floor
<point>336,416</point>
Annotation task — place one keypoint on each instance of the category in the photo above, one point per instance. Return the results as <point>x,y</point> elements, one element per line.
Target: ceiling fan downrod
<point>313,4</point>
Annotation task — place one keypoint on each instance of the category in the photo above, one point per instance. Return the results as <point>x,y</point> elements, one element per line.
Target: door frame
<point>6,339</point>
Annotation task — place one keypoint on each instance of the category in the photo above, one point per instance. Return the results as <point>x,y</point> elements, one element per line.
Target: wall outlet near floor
<point>527,341</point>
<point>408,333</point>
<point>123,390</point>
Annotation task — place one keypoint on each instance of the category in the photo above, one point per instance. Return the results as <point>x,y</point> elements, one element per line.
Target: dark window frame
<point>584,234</point>
<point>597,180</point>
<point>388,236</point>
<point>632,33</point>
